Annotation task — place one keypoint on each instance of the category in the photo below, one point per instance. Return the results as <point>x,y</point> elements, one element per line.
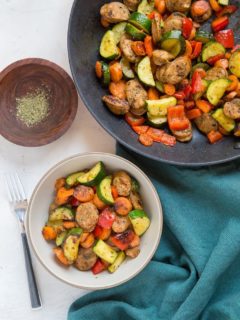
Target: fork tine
<point>20,188</point>
<point>9,189</point>
<point>15,187</point>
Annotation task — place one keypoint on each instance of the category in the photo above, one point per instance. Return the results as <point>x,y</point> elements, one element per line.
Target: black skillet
<point>84,35</point>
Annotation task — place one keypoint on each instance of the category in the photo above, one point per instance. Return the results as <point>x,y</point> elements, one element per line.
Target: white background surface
<point>34,28</point>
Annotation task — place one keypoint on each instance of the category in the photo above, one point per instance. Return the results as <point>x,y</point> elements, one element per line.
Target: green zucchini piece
<point>75,232</point>
<point>55,223</point>
<point>72,178</point>
<point>108,47</point>
<point>158,108</point>
<point>140,221</point>
<point>211,49</point>
<point>173,42</point>
<point>126,68</point>
<point>60,238</point>
<point>116,264</point>
<point>156,122</point>
<point>106,74</point>
<point>141,21</point>
<point>227,123</point>
<point>118,31</point>
<point>234,63</point>
<point>93,176</point>
<point>104,251</point>
<point>70,247</point>
<point>223,2</point>
<point>146,6</point>
<point>159,86</point>
<point>144,72</point>
<point>134,32</point>
<point>135,186</point>
<point>216,90</point>
<point>104,191</point>
<point>61,213</point>
<point>203,36</point>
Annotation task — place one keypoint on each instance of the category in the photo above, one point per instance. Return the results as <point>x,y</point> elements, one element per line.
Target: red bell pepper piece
<point>220,23</point>
<point>161,136</point>
<point>177,119</point>
<point>122,240</point>
<point>133,120</point>
<point>197,85</point>
<point>153,14</point>
<point>98,267</point>
<point>227,10</point>
<point>187,91</point>
<point>214,59</point>
<point>97,231</point>
<point>179,95</point>
<point>226,38</point>
<point>197,48</point>
<point>106,218</point>
<point>187,27</point>
<point>140,129</point>
<point>74,202</point>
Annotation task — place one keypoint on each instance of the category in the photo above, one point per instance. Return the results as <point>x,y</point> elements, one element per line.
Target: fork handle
<point>32,284</point>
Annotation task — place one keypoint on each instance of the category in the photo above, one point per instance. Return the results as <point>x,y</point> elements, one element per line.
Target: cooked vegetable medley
<point>165,74</point>
<point>96,220</point>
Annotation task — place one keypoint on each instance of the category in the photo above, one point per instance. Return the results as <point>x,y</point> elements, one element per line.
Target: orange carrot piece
<point>222,63</point>
<point>104,23</point>
<point>169,89</point>
<point>105,234</point>
<point>98,69</point>
<point>98,202</point>
<point>153,94</point>
<point>89,241</point>
<point>230,96</point>
<point>228,55</point>
<point>215,5</point>
<point>138,48</point>
<point>135,242</point>
<point>201,72</point>
<point>160,5</point>
<point>204,105</point>
<point>148,45</point>
<point>83,236</point>
<point>193,114</point>
<point>49,233</point>
<point>145,140</point>
<point>214,136</point>
<point>60,256</point>
<point>118,89</point>
<point>115,70</point>
<point>122,206</point>
<point>59,183</point>
<point>63,195</point>
<point>114,192</point>
<point>189,49</point>
<point>193,34</point>
<point>69,224</point>
<point>234,84</point>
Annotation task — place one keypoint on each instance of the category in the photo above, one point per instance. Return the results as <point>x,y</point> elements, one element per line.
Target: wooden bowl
<point>28,75</point>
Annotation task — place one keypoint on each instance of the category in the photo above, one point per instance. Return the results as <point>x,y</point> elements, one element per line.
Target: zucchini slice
<point>70,247</point>
<point>159,86</point>
<point>144,72</point>
<point>211,49</point>
<point>141,21</point>
<point>134,32</point>
<point>158,108</point>
<point>108,47</point>
<point>106,74</point>
<point>104,251</point>
<point>156,122</point>
<point>173,42</point>
<point>61,213</point>
<point>216,90</point>
<point>60,238</point>
<point>234,64</point>
<point>146,6</point>
<point>116,264</point>
<point>140,221</point>
<point>227,123</point>
<point>118,31</point>
<point>135,186</point>
<point>93,176</point>
<point>75,232</point>
<point>126,68</point>
<point>223,2</point>
<point>72,178</point>
<point>104,191</point>
<point>204,36</point>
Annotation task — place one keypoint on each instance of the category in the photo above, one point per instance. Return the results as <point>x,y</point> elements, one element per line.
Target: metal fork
<point>19,204</point>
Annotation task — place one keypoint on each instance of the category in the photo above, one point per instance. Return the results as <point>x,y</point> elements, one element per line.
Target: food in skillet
<point>96,220</point>
<point>165,75</point>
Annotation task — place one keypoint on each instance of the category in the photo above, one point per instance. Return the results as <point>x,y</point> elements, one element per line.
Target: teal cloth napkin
<point>195,273</point>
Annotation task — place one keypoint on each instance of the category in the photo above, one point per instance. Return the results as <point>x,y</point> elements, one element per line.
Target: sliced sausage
<point>204,8</point>
<point>136,200</point>
<point>87,216</point>
<point>136,96</point>
<point>216,73</point>
<point>123,182</point>
<point>174,72</point>
<point>206,123</point>
<point>133,253</point>
<point>132,4</point>
<point>86,259</point>
<point>114,12</point>
<point>156,29</point>
<point>83,193</point>
<point>126,47</point>
<point>116,105</point>
<point>178,5</point>
<point>121,224</point>
<point>232,109</point>
<point>174,22</point>
<point>161,57</point>
<point>183,135</point>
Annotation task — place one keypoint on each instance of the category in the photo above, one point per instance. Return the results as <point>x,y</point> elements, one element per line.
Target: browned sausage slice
<point>86,259</point>
<point>136,96</point>
<point>132,4</point>
<point>116,105</point>
<point>87,216</point>
<point>174,22</point>
<point>183,135</point>
<point>83,193</point>
<point>136,200</point>
<point>133,253</point>
<point>232,109</point>
<point>216,73</point>
<point>114,12</point>
<point>156,29</point>
<point>121,224</point>
<point>161,57</point>
<point>123,182</point>
<point>206,123</point>
<point>206,11</point>
<point>178,5</point>
<point>126,47</point>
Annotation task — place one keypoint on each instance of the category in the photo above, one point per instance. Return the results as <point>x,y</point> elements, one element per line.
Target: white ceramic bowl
<point>37,215</point>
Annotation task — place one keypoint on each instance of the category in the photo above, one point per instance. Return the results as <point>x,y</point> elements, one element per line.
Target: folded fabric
<point>195,273</point>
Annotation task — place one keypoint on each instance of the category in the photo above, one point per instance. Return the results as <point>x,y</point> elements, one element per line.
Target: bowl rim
<point>34,193</point>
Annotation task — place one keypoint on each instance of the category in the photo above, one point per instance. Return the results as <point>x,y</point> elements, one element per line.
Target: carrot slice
<point>193,114</point>
<point>153,94</point>
<point>69,224</point>
<point>234,84</point>
<point>214,136</point>
<point>114,192</point>
<point>189,49</point>
<point>89,241</point>
<point>215,5</point>
<point>98,202</point>
<point>122,206</point>
<point>148,45</point>
<point>60,256</point>
<point>117,89</point>
<point>115,70</point>
<point>138,48</point>
<point>105,234</point>
<point>63,195</point>
<point>59,183</point>
<point>160,5</point>
<point>204,105</point>
<point>145,140</point>
<point>98,69</point>
<point>169,89</point>
<point>49,233</point>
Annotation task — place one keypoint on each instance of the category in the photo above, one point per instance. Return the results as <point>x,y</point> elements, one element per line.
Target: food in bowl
<point>166,75</point>
<point>96,219</point>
